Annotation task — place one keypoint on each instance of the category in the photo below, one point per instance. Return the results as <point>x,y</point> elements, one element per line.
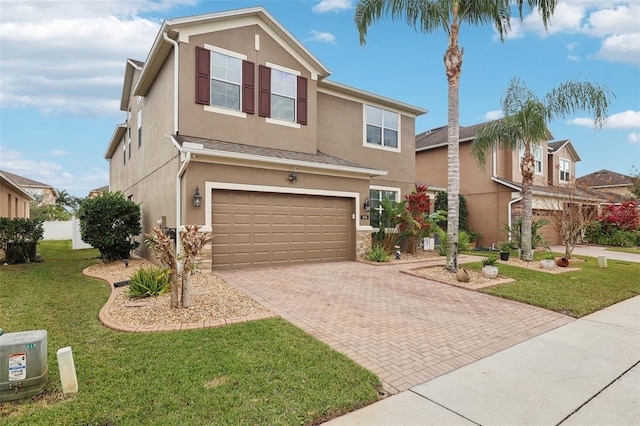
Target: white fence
<point>68,230</point>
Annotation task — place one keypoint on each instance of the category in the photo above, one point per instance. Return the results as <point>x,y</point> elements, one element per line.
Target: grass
<point>576,293</point>
<point>634,250</point>
<point>261,372</point>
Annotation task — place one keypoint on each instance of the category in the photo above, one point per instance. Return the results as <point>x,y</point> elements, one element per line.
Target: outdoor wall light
<point>367,204</point>
<point>197,198</point>
<point>293,178</point>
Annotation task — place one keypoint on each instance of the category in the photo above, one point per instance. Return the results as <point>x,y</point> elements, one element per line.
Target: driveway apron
<point>405,329</point>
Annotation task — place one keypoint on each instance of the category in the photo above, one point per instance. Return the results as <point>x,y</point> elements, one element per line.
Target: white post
<point>67,371</point>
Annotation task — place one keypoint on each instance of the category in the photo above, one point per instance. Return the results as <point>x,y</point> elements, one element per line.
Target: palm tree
<point>64,200</point>
<point>525,127</point>
<point>448,15</point>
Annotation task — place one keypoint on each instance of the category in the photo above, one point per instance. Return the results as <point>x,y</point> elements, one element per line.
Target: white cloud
<point>622,120</point>
<point>634,137</point>
<point>60,153</point>
<point>322,37</point>
<point>494,115</point>
<point>332,6</point>
<point>69,57</point>
<point>614,23</point>
<point>52,173</point>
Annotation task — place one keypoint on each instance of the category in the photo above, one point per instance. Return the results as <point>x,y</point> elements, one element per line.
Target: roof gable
<point>556,146</point>
<point>181,29</point>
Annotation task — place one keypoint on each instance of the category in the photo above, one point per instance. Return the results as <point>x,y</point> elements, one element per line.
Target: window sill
<point>282,123</point>
<point>225,111</point>
<point>381,147</point>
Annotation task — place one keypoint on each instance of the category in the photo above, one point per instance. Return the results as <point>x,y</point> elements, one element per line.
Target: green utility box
<point>23,364</point>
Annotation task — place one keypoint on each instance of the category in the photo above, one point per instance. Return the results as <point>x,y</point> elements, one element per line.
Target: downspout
<point>176,65</point>
<point>185,163</point>
<point>515,200</point>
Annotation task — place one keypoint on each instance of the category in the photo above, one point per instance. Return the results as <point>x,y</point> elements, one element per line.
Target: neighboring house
<point>98,191</point>
<point>494,194</point>
<point>233,125</point>
<point>43,193</point>
<point>14,200</point>
<point>610,184</point>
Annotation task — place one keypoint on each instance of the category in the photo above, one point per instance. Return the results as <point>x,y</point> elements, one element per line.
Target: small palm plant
<point>148,281</point>
<point>490,261</point>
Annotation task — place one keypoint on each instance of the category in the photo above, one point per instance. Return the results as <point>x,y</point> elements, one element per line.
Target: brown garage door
<point>264,228</point>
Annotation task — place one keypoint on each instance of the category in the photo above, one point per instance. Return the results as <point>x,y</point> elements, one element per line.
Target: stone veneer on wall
<point>363,242</point>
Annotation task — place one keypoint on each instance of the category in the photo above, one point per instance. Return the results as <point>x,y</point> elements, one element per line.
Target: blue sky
<point>62,64</point>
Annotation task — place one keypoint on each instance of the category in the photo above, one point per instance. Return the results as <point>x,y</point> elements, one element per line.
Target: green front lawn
<point>575,293</point>
<point>262,372</point>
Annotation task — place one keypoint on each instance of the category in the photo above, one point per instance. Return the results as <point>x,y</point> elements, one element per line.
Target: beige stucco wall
<point>554,166</point>
<point>252,130</point>
<point>13,204</point>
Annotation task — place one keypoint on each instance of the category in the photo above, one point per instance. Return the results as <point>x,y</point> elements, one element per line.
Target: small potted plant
<point>548,261</point>
<point>505,248</point>
<point>473,238</point>
<point>490,267</point>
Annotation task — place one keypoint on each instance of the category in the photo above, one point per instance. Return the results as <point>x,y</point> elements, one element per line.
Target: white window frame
<point>218,109</point>
<point>386,189</point>
<point>294,124</point>
<point>561,170</point>
<point>364,129</point>
<point>537,158</point>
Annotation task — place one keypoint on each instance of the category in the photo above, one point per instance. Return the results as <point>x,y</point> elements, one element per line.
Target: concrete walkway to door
<point>407,330</point>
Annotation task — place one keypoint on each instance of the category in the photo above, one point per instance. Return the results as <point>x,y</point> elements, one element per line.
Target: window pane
<point>390,138</point>
<point>374,135</point>
<point>282,108</point>
<point>391,120</point>
<point>374,116</point>
<point>225,95</point>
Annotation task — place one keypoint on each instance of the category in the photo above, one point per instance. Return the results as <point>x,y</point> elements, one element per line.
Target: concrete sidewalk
<point>595,251</point>
<point>583,373</point>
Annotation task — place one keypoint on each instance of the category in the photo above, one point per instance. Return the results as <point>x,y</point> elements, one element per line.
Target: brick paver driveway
<point>405,329</point>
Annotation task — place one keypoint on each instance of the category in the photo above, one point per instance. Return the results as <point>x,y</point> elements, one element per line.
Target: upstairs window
<point>224,80</point>
<point>282,95</point>
<point>382,127</point>
<point>537,157</point>
<point>565,170</point>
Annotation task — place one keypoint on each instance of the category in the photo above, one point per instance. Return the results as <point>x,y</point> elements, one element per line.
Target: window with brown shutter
<point>302,100</point>
<point>264,97</point>
<point>203,69</point>
<point>248,87</point>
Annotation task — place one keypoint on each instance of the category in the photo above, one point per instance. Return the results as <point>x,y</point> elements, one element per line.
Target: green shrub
<point>377,254</point>
<point>148,281</point>
<point>19,237</point>
<point>490,261</point>
<point>599,233</point>
<point>110,223</point>
<point>464,242</point>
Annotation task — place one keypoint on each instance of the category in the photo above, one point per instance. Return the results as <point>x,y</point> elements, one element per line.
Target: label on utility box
<point>17,367</point>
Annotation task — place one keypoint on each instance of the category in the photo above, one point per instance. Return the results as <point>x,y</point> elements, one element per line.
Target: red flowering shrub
<point>625,217</point>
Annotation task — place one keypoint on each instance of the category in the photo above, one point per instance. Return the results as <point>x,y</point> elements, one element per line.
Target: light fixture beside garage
<point>293,177</point>
<point>367,204</point>
<point>197,198</point>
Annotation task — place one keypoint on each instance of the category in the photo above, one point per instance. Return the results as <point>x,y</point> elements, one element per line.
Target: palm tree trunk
<point>453,67</point>
<point>527,168</point>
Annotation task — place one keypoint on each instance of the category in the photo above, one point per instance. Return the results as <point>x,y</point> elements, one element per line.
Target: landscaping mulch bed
<point>211,299</point>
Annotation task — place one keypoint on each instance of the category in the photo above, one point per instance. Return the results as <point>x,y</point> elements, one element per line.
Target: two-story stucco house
<point>15,201</point>
<point>233,125</point>
<point>494,194</point>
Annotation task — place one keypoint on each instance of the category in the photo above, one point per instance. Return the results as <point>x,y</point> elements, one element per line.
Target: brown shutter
<point>203,77</point>
<point>264,100</point>
<point>248,87</point>
<point>302,100</point>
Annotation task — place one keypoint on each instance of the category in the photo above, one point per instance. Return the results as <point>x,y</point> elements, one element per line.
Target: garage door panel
<point>254,229</point>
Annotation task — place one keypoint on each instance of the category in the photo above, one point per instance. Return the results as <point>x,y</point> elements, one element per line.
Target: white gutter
<point>176,64</point>
<point>283,161</point>
<point>181,171</point>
